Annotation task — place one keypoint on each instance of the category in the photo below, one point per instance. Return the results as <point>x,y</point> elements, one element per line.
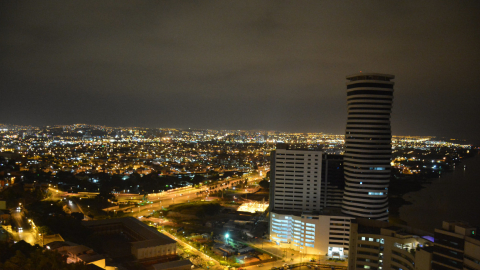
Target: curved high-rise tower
<point>368,148</point>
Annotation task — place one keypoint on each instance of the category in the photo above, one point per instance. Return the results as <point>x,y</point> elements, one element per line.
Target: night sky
<point>267,65</point>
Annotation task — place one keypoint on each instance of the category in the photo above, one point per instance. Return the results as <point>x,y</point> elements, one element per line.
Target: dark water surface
<point>453,196</point>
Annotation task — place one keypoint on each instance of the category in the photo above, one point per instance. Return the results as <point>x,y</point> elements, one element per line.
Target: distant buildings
<point>368,149</point>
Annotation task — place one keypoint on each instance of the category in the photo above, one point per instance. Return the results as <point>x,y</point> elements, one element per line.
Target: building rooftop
<point>331,211</point>
<point>450,225</point>
<point>293,146</point>
<point>370,76</point>
<point>168,265</point>
<point>77,250</point>
<point>88,258</point>
<point>370,226</point>
<point>148,235</point>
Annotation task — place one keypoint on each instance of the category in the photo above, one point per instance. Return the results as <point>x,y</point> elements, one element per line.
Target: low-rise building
<point>147,242</point>
<point>322,233</point>
<point>175,265</point>
<point>79,253</point>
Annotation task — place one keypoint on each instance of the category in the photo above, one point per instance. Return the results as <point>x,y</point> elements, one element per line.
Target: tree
<point>212,208</point>
<point>44,230</point>
<point>197,179</point>
<point>39,260</point>
<point>264,184</point>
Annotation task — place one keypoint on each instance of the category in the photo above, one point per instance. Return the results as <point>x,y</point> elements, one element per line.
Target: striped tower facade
<point>368,150</point>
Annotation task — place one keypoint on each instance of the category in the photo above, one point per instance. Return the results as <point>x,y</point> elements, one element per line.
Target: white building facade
<point>296,180</point>
<point>311,234</point>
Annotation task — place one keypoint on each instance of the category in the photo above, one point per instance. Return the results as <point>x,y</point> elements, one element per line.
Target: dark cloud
<point>238,64</point>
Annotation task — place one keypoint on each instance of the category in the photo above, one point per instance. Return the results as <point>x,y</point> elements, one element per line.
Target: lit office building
<point>324,233</point>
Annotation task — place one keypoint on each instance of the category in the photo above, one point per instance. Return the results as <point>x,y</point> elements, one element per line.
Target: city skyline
<point>81,129</point>
<point>262,65</point>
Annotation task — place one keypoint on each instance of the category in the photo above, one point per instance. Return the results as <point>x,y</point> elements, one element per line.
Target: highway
<point>216,186</point>
<point>182,195</point>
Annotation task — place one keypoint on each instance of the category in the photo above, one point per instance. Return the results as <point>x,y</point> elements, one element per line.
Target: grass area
<point>93,206</point>
<point>4,235</point>
<point>197,208</point>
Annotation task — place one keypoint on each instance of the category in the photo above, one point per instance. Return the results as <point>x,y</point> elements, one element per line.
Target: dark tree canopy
<point>23,256</point>
<point>264,184</point>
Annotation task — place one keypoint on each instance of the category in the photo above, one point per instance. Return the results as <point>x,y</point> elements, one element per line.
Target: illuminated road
<point>74,206</point>
<point>192,249</point>
<point>184,194</point>
<point>159,200</point>
<point>209,187</point>
<point>164,201</point>
<point>27,234</point>
<point>272,248</point>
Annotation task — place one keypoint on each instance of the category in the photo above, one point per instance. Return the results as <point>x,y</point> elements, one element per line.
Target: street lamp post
<point>42,238</point>
<point>226,238</point>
